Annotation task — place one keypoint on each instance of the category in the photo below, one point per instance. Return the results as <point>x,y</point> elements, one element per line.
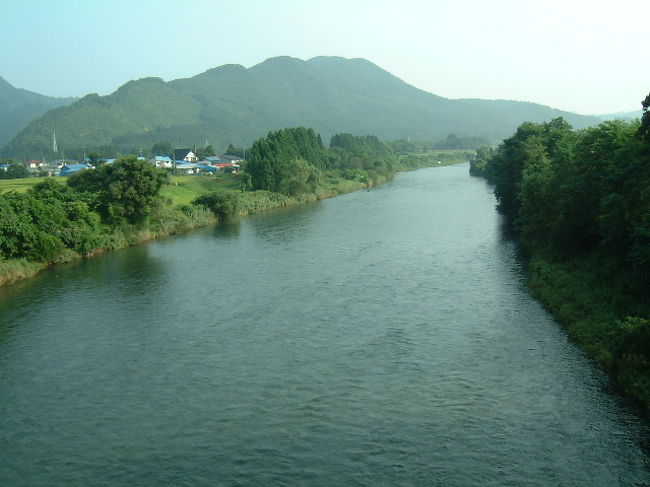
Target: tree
<point>273,158</point>
<point>203,152</point>
<point>127,190</point>
<point>95,159</point>
<point>14,171</point>
<point>162,149</point>
<point>644,129</point>
<point>236,151</point>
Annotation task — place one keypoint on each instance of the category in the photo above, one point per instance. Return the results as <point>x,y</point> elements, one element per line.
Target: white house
<point>186,155</point>
<point>162,161</point>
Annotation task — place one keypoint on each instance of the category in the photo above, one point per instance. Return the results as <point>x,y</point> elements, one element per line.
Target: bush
<point>223,204</point>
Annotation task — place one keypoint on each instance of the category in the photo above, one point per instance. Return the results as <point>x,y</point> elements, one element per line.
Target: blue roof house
<point>207,167</point>
<point>161,161</point>
<point>69,169</point>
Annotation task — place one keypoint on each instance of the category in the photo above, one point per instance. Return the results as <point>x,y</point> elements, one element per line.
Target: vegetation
<point>579,204</point>
<point>15,170</point>
<point>454,142</point>
<point>127,191</point>
<point>109,207</point>
<point>234,105</point>
<point>123,203</point>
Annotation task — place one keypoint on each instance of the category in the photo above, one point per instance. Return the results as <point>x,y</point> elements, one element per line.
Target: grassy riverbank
<point>601,316</point>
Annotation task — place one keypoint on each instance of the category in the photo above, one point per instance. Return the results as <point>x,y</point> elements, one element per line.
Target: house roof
<point>180,154</point>
<point>74,167</point>
<point>162,158</point>
<point>207,167</point>
<point>230,157</point>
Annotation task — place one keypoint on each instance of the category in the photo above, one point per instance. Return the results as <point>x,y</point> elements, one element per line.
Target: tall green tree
<point>273,159</point>
<point>127,190</point>
<point>162,149</point>
<point>644,129</point>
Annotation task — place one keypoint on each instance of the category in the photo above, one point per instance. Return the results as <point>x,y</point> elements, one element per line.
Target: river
<point>380,338</point>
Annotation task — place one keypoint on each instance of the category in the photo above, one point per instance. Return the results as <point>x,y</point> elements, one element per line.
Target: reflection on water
<point>378,338</point>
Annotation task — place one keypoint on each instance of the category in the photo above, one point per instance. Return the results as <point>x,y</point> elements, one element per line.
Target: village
<point>184,161</point>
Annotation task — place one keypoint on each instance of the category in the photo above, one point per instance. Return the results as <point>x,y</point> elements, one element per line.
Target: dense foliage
<point>127,190</point>
<point>293,161</point>
<point>579,204</point>
<point>573,193</point>
<point>455,142</point>
<point>45,221</point>
<point>15,170</point>
<point>231,104</point>
<point>222,203</point>
<point>287,161</point>
<point>51,219</point>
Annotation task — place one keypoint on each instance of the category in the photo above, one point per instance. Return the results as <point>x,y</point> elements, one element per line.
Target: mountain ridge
<point>19,106</point>
<point>233,104</point>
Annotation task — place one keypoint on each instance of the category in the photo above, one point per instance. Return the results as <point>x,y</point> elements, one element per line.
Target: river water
<point>384,337</point>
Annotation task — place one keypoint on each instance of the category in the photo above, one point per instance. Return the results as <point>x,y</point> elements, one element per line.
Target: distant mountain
<point>232,104</point>
<point>18,107</point>
<point>622,115</point>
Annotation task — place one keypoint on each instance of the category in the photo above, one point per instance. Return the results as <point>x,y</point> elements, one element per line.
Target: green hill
<point>232,104</point>
<point>18,107</point>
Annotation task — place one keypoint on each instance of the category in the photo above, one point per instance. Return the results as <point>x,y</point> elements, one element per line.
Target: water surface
<point>383,337</point>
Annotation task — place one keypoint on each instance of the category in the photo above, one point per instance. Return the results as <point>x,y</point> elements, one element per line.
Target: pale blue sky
<point>583,56</point>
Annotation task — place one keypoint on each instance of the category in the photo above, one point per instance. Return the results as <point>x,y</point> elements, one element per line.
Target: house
<point>34,164</point>
<point>69,169</point>
<point>225,166</point>
<point>231,158</point>
<point>162,161</point>
<point>213,159</point>
<point>186,155</point>
<point>206,167</point>
<point>186,167</point>
<point>5,167</point>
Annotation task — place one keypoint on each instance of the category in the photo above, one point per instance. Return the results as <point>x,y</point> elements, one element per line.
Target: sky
<point>576,55</point>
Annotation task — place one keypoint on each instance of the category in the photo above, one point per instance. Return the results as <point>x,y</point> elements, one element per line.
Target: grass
<point>22,185</point>
<point>183,189</point>
<point>605,321</point>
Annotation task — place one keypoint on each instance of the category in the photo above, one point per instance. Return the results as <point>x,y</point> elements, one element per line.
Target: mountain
<point>18,107</point>
<point>232,104</point>
<point>622,115</point>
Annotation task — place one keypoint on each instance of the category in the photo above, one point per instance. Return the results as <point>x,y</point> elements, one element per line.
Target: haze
<point>574,55</point>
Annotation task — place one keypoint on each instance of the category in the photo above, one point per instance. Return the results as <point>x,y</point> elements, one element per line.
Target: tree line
<point>570,193</point>
<point>294,160</point>
<point>578,203</point>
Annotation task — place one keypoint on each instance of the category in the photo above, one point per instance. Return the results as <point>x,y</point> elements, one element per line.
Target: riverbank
<point>179,215</point>
<point>576,203</point>
<point>604,320</point>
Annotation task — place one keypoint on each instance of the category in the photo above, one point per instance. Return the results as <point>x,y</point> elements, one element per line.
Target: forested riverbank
<point>128,202</point>
<point>578,203</point>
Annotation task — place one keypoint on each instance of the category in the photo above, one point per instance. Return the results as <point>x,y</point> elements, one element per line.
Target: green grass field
<point>22,185</point>
<point>183,189</point>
